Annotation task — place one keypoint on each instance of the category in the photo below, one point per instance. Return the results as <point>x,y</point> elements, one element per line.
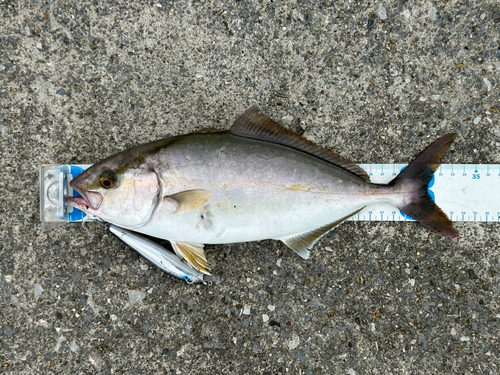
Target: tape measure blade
<point>465,192</point>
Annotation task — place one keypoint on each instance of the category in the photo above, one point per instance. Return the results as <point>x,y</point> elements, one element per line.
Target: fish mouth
<point>89,200</point>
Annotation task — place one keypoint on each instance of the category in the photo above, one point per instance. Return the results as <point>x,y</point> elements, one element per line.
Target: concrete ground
<point>376,81</point>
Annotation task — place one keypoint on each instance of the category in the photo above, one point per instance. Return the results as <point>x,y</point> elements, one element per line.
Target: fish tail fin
<point>414,180</point>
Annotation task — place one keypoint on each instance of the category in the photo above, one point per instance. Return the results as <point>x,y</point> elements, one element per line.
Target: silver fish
<point>253,182</point>
<point>160,257</point>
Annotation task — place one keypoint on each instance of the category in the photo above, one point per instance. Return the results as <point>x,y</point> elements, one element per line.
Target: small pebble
<point>271,307</point>
<point>255,348</point>
<point>246,310</point>
<point>294,342</point>
<point>472,274</point>
<point>288,119</point>
<point>135,296</point>
<point>60,340</point>
<point>382,13</point>
<point>8,332</point>
<point>96,361</point>
<point>38,290</point>
<point>265,318</point>
<point>487,83</point>
<point>432,14</point>
<point>73,347</point>
<point>407,13</point>
<point>88,317</point>
<point>477,120</point>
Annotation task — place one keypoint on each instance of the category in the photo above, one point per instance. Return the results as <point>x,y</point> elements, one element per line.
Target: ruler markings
<point>466,192</point>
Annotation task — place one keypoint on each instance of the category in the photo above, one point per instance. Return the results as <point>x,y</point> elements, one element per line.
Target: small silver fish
<point>160,257</point>
<point>253,182</point>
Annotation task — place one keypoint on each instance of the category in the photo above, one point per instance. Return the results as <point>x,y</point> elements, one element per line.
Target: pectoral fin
<point>194,255</point>
<point>303,242</point>
<point>187,200</point>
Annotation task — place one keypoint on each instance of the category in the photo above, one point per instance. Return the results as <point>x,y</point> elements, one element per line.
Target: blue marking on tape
<point>431,193</point>
<point>75,170</point>
<point>431,183</point>
<point>76,214</point>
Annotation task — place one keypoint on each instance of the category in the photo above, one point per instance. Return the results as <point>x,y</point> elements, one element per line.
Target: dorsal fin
<point>208,131</point>
<point>254,124</point>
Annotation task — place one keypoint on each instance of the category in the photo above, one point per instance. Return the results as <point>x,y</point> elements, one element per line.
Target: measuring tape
<point>465,192</point>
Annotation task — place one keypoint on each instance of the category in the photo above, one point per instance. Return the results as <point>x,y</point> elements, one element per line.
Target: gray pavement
<point>81,80</point>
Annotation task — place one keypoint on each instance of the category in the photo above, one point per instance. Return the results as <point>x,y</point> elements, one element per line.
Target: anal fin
<point>303,242</point>
<point>193,253</point>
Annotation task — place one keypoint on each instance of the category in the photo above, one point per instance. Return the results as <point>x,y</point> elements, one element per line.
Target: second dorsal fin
<point>254,124</point>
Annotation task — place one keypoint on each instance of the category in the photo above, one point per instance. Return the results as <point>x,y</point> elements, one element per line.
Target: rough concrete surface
<point>376,81</point>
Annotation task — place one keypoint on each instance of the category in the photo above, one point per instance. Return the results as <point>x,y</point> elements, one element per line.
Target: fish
<point>253,182</point>
<point>159,256</point>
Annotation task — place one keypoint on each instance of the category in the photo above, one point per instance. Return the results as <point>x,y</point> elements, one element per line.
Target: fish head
<point>121,189</point>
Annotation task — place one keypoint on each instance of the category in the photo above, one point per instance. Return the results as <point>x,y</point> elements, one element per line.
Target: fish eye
<point>107,180</point>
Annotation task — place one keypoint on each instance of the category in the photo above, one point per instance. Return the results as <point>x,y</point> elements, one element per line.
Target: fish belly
<point>259,191</point>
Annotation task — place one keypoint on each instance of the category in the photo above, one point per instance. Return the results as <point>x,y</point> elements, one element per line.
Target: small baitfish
<point>255,181</point>
<point>160,257</point>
